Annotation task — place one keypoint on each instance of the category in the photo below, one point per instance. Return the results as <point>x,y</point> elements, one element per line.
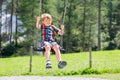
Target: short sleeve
<point>56,29</point>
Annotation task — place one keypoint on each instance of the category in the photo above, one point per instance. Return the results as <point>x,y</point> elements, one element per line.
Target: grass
<point>78,64</point>
<point>115,76</point>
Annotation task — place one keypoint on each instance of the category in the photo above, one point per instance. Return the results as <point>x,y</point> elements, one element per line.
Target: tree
<point>111,25</point>
<point>6,19</point>
<point>99,24</point>
<point>11,20</point>
<point>0,26</point>
<point>28,11</point>
<point>83,28</point>
<point>16,30</point>
<point>101,15</point>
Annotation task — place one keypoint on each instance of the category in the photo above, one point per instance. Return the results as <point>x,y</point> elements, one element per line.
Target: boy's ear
<point>42,21</point>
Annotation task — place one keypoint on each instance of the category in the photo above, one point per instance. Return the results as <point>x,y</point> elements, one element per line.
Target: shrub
<point>117,40</point>
<point>111,46</point>
<point>23,48</point>
<point>8,50</point>
<point>90,71</point>
<point>19,50</point>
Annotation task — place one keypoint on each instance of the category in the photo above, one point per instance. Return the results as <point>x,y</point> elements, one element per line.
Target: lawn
<point>78,64</point>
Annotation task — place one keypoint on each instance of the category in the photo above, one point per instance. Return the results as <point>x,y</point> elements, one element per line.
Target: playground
<point>59,40</point>
<point>79,65</point>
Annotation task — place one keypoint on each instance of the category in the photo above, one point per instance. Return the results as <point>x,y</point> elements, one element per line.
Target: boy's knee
<point>47,47</point>
<point>56,46</point>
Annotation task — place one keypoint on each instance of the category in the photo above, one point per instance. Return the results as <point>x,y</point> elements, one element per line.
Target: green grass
<point>115,76</point>
<point>78,63</point>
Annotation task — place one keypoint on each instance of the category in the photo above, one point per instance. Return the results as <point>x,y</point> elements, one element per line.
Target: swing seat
<point>38,49</point>
<point>43,49</point>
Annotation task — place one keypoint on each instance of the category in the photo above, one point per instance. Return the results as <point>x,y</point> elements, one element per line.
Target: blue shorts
<point>50,43</point>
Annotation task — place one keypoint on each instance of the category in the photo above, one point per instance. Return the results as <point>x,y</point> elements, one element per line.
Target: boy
<point>47,39</point>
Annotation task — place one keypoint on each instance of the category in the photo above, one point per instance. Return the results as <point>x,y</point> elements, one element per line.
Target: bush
<point>23,48</point>
<point>90,71</point>
<point>8,50</point>
<point>19,50</point>
<point>117,40</point>
<point>111,46</point>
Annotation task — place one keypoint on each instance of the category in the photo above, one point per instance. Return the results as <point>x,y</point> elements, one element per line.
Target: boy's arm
<point>38,26</point>
<point>61,32</point>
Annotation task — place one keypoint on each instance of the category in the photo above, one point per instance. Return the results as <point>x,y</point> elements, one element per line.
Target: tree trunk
<point>6,25</point>
<point>110,20</point>
<point>83,28</point>
<point>11,18</point>
<point>90,47</point>
<point>16,32</point>
<point>99,25</point>
<point>1,27</point>
<point>68,43</point>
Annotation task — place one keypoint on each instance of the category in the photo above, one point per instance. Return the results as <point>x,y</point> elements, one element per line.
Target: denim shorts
<point>50,43</point>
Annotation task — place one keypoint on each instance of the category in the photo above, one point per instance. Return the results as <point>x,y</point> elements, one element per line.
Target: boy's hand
<point>38,26</point>
<point>62,27</point>
<point>38,18</point>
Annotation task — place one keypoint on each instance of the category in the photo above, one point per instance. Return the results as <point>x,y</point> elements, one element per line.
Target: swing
<point>35,48</point>
<point>43,50</point>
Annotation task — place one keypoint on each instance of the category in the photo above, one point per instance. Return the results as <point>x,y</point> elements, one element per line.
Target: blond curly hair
<point>46,15</point>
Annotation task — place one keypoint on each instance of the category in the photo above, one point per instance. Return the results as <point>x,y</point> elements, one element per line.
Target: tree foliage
<point>82,19</point>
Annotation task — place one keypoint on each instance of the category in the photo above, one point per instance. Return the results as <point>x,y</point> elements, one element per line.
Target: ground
<point>48,78</point>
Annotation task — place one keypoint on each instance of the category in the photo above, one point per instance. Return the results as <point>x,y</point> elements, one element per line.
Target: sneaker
<point>62,64</point>
<point>48,66</point>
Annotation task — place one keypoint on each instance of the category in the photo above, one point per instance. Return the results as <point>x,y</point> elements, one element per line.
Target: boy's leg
<point>61,64</point>
<point>47,55</point>
<point>57,52</point>
<point>47,52</point>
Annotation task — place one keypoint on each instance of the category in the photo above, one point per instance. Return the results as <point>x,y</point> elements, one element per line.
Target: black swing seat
<point>43,49</point>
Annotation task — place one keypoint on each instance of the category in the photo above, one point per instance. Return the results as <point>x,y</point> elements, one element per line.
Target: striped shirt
<point>47,33</point>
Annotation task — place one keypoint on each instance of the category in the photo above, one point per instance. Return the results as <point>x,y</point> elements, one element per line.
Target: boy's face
<point>47,21</point>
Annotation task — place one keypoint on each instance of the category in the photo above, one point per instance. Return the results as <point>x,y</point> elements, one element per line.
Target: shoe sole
<point>62,64</point>
<point>49,67</point>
